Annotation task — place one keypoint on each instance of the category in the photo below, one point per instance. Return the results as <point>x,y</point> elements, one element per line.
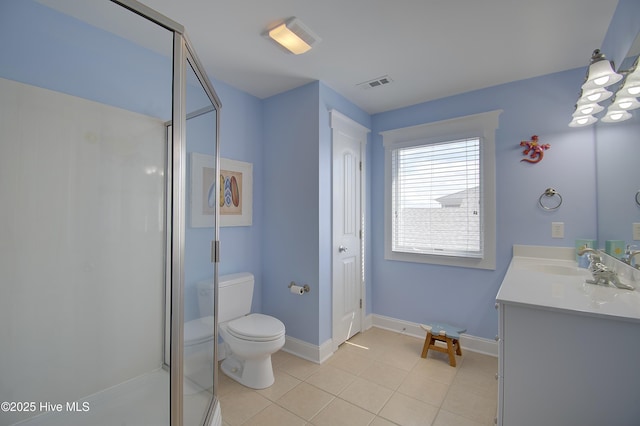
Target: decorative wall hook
<point>535,148</point>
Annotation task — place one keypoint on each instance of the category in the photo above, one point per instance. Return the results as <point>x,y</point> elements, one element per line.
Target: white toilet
<point>249,339</point>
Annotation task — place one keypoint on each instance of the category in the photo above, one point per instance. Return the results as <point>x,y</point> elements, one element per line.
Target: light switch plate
<point>636,232</point>
<point>557,229</point>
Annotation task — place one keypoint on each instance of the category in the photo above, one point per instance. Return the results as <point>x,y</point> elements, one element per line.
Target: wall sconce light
<point>294,36</point>
<point>600,75</point>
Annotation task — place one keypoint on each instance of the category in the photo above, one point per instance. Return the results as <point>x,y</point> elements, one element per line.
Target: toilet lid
<point>198,330</point>
<point>256,327</point>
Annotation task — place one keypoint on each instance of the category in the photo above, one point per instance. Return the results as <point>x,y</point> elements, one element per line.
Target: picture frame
<point>234,194</point>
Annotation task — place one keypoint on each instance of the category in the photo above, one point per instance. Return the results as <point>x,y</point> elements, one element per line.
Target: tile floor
<point>376,379</point>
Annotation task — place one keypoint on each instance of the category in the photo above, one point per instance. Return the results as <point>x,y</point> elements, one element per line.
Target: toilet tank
<point>235,293</point>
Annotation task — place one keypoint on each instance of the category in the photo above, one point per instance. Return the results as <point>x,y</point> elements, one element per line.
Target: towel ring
<point>638,198</point>
<point>550,192</point>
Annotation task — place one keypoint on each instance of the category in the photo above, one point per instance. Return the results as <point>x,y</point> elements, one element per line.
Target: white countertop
<point>549,278</point>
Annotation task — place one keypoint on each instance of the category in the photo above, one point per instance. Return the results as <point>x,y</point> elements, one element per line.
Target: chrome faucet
<point>602,274</point>
<point>629,254</point>
<point>630,258</point>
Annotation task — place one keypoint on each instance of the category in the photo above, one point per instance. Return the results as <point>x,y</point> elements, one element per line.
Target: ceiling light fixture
<point>601,74</point>
<point>294,36</point>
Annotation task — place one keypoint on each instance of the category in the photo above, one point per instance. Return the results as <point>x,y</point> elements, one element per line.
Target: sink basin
<point>556,269</point>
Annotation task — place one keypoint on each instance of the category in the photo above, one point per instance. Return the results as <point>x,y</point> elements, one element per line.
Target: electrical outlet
<point>636,232</point>
<point>557,229</point>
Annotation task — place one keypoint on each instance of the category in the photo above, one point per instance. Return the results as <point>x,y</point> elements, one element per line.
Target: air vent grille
<point>376,82</point>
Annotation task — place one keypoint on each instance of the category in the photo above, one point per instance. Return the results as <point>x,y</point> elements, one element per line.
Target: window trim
<point>481,125</point>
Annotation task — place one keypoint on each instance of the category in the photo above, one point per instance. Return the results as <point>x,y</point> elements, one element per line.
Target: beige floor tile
<point>298,367</point>
<point>380,421</point>
<point>406,411</point>
<point>342,413</point>
<point>436,370</point>
<point>305,400</point>
<point>477,381</point>
<point>281,357</point>
<point>376,371</point>
<point>423,388</point>
<point>283,384</point>
<point>461,401</point>
<point>481,362</point>
<point>446,418</point>
<point>400,357</point>
<point>384,375</point>
<point>350,362</point>
<point>331,379</point>
<point>238,407</point>
<point>274,415</point>
<point>227,385</point>
<point>367,395</point>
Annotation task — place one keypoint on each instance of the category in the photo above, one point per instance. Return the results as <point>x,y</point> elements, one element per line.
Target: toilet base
<point>252,373</point>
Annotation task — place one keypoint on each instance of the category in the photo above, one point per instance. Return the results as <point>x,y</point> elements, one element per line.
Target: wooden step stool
<point>443,333</point>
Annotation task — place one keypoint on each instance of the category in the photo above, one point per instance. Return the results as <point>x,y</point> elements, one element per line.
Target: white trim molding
<point>467,341</point>
<point>305,350</point>
<point>481,126</point>
<point>320,354</point>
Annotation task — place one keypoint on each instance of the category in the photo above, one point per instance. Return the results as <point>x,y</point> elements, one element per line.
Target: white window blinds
<point>437,199</point>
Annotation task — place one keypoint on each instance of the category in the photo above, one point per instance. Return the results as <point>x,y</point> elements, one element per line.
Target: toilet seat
<point>256,328</point>
<point>198,330</point>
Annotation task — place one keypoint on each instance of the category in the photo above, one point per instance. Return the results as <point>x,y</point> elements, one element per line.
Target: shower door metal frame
<point>183,53</point>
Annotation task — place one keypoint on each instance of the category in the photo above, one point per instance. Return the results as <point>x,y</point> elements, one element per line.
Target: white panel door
<point>347,226</point>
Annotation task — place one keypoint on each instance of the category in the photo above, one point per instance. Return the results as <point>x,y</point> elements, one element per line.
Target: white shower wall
<point>81,243</point>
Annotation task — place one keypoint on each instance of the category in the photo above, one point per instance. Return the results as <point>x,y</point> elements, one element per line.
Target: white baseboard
<point>320,354</point>
<point>467,341</point>
<point>313,353</point>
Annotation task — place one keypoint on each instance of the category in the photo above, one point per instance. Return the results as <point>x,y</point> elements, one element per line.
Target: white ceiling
<point>430,48</point>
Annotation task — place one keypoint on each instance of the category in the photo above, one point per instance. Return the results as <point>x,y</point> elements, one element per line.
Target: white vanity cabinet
<point>569,352</point>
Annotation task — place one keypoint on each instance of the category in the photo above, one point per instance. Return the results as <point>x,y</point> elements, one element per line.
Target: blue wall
<point>540,106</point>
<point>242,139</point>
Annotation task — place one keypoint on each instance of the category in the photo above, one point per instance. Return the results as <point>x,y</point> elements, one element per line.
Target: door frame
<point>340,123</point>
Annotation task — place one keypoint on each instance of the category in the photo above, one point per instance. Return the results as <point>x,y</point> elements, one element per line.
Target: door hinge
<point>215,251</point>
<point>360,233</point>
<point>360,303</point>
<point>361,166</point>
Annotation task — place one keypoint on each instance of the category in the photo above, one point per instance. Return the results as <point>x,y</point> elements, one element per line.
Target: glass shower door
<point>200,267</point>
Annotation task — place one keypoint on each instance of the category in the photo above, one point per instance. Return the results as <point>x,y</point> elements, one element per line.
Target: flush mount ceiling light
<point>294,36</point>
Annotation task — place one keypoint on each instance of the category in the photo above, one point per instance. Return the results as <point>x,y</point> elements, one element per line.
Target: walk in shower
<point>101,103</point>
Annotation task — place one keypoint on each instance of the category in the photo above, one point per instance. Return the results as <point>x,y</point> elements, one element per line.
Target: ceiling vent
<point>376,82</point>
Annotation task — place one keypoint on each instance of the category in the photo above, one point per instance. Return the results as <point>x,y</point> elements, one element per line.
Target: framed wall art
<point>234,196</point>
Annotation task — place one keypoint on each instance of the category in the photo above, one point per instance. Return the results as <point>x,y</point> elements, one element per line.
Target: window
<point>440,192</point>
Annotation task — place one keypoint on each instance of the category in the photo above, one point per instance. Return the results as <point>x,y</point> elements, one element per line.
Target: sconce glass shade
<point>616,116</point>
<point>587,109</point>
<point>600,73</point>
<point>625,103</point>
<point>583,120</point>
<point>594,95</point>
<point>631,86</point>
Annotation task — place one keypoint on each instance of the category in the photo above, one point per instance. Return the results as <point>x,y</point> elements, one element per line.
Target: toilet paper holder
<point>304,287</point>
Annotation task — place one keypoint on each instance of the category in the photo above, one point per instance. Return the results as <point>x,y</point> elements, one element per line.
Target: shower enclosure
<point>102,103</point>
